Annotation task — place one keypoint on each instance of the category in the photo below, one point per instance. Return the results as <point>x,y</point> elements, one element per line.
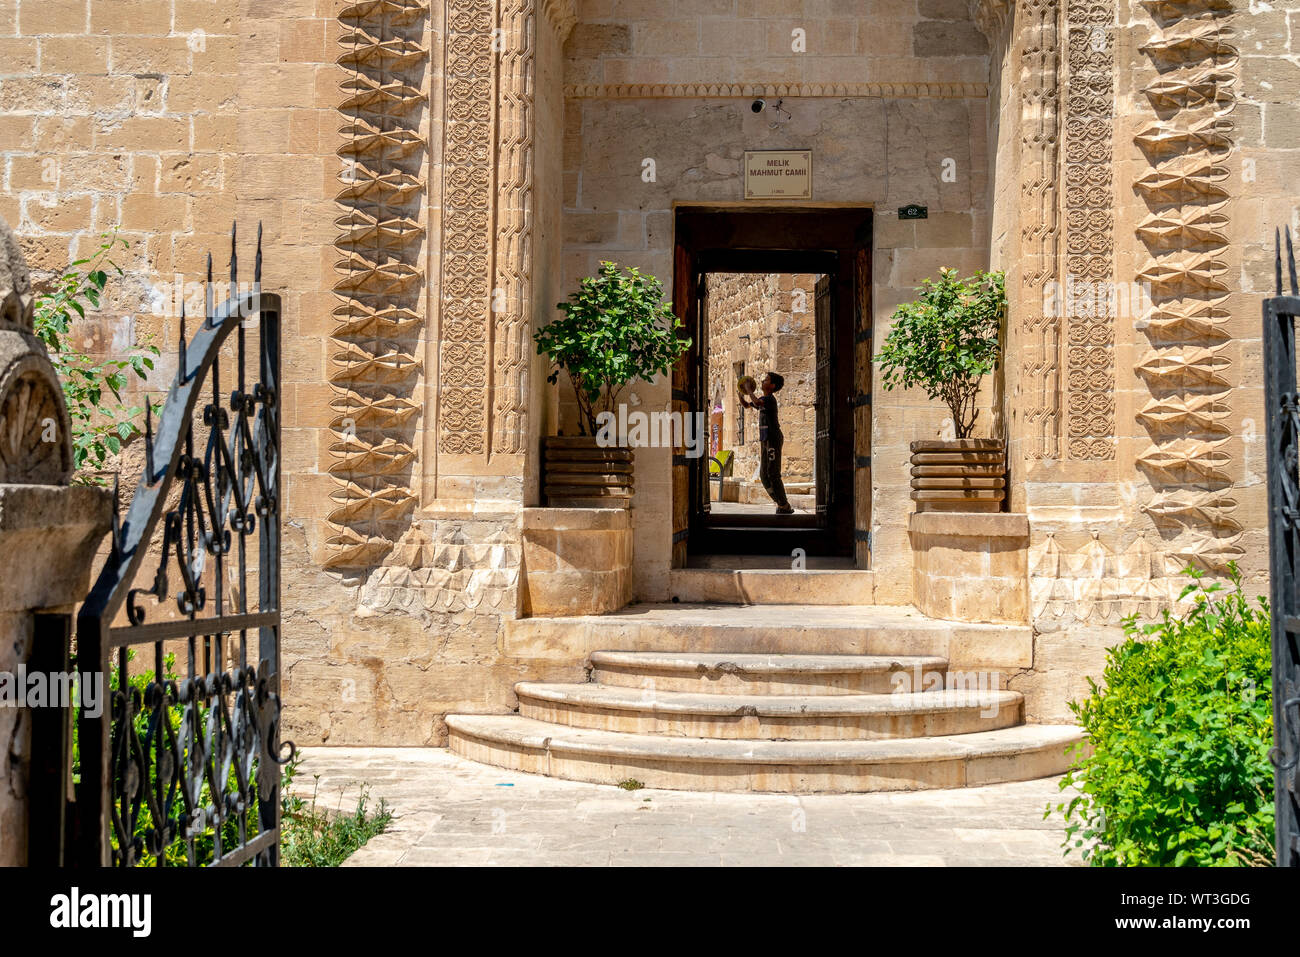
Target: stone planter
<point>581,474</point>
<point>959,475</point>
<point>968,566</point>
<point>576,561</point>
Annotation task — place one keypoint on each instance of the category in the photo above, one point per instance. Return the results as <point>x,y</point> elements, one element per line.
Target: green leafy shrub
<point>311,838</point>
<point>946,341</point>
<point>1180,731</point>
<point>616,328</point>
<point>98,428</point>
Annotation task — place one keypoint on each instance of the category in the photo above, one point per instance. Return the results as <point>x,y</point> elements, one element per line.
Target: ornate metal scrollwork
<point>185,766</point>
<point>1283,410</point>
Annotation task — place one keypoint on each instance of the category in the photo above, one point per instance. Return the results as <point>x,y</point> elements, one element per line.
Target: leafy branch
<point>615,328</point>
<point>98,428</point>
<point>947,340</point>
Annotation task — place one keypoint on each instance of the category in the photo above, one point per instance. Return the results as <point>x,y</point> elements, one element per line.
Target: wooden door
<point>862,346</point>
<point>684,290</point>
<point>824,448</point>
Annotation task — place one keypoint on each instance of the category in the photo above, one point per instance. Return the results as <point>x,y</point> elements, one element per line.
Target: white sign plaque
<point>778,174</point>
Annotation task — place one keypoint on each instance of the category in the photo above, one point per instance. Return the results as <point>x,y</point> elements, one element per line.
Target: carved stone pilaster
<point>1039,329</point>
<point>373,366</point>
<point>1089,229</point>
<point>1188,369</point>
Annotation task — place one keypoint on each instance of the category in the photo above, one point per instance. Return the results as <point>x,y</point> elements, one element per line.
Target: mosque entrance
<point>772,300</point>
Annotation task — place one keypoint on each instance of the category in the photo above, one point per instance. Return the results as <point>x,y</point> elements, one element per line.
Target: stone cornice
<point>561,14</point>
<point>947,91</point>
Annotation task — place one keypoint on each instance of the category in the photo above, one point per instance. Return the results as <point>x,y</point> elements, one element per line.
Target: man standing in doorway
<point>770,439</point>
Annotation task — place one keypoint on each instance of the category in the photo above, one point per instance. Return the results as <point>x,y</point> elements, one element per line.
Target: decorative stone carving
<point>1189,179</point>
<point>1188,370</point>
<point>1094,584</point>
<point>467,271</point>
<point>1040,332</point>
<point>1089,226</point>
<point>1188,43</point>
<point>562,15</point>
<point>910,90</point>
<point>35,432</point>
<point>1194,412</point>
<point>1195,320</point>
<point>1184,228</point>
<point>1177,275</point>
<point>1186,367</point>
<point>513,232</point>
<point>1210,88</point>
<point>373,366</point>
<point>1161,139</point>
<point>1189,461</point>
<point>1193,508</point>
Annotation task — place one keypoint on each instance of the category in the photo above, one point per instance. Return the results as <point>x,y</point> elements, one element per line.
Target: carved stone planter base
<point>581,474</point>
<point>962,475</point>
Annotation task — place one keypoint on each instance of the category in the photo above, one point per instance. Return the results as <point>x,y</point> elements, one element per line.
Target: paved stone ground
<point>449,811</point>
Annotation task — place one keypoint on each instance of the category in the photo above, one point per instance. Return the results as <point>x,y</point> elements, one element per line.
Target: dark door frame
<point>765,239</point>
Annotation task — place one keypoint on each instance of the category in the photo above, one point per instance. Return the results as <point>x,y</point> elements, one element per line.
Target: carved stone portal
<point>35,433</point>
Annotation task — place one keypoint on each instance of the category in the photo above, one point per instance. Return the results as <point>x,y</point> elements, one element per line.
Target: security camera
<point>758,105</point>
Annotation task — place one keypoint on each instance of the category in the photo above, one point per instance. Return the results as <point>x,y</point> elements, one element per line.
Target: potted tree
<point>614,329</point>
<point>945,342</point>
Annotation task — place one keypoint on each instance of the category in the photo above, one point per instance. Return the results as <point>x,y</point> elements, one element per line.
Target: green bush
<point>1180,731</point>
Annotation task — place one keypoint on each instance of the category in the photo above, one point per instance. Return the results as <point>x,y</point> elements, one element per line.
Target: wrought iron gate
<point>184,766</point>
<point>1283,413</point>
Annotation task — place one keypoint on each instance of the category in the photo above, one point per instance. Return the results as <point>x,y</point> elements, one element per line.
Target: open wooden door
<point>862,346</point>
<point>684,304</point>
<point>824,448</point>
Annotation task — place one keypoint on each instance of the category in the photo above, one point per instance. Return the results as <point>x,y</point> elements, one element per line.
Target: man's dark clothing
<point>770,442</point>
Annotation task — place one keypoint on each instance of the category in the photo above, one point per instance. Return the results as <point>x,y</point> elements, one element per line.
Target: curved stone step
<point>772,717</point>
<point>739,673</point>
<point>774,629</point>
<point>708,764</point>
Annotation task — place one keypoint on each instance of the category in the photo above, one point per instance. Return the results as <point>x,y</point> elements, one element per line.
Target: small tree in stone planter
<point>945,342</point>
<point>615,329</point>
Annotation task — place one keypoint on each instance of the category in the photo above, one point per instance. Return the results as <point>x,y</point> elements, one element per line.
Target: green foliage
<point>947,340</point>
<point>1180,733</point>
<point>311,838</point>
<point>98,428</point>
<point>614,329</point>
<point>308,836</point>
<point>631,784</point>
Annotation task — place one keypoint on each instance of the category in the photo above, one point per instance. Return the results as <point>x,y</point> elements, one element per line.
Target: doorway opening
<point>781,293</point>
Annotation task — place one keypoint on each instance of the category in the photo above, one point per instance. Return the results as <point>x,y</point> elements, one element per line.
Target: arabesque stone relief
<point>1188,368</point>
<point>373,365</point>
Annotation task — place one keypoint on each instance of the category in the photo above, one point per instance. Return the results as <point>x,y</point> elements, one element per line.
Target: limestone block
<point>576,561</point>
<point>971,566</point>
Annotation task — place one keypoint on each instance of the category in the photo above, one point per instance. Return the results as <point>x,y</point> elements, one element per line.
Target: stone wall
<point>644,84</point>
<point>766,323</point>
<point>1137,162</point>
<point>412,423</point>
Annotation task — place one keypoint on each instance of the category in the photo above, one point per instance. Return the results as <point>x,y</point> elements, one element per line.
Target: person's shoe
<point>785,510</point>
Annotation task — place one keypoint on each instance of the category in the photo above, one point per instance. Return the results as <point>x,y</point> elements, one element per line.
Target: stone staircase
<point>778,697</point>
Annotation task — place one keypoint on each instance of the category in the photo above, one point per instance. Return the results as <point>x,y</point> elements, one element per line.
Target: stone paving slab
<point>451,812</point>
